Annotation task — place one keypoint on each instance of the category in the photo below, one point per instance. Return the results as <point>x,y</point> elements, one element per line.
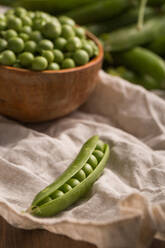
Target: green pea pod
<point>74,182</point>
<point>158,45</point>
<point>123,73</point>
<point>125,19</point>
<point>52,6</point>
<point>6,2</point>
<point>155,2</point>
<point>144,62</point>
<point>129,37</point>
<point>144,80</point>
<point>99,11</point>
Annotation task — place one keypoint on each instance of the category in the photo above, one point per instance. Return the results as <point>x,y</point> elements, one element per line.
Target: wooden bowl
<point>30,96</point>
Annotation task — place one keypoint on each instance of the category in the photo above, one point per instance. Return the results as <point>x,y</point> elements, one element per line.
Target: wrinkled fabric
<point>130,194</point>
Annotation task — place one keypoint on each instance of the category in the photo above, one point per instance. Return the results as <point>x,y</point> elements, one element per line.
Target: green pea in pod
<point>78,177</point>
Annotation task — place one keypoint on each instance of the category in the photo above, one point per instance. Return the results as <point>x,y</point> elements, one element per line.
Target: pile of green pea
<point>40,41</point>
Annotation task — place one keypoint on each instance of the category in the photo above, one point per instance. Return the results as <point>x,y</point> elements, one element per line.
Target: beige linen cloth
<point>126,205</point>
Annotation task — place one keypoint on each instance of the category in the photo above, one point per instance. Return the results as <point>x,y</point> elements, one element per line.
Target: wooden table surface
<point>11,237</point>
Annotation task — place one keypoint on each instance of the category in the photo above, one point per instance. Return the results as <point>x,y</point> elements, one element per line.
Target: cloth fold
<point>126,205</point>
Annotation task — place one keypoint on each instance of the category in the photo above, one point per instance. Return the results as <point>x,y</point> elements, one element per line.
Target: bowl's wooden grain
<point>30,96</point>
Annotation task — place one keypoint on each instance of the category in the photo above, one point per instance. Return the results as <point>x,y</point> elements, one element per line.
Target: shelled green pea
<point>54,43</point>
<point>3,44</point>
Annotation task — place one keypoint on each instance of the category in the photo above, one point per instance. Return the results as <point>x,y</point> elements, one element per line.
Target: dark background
<point>11,237</point>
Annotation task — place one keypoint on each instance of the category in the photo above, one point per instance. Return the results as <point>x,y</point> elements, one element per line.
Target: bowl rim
<point>96,59</point>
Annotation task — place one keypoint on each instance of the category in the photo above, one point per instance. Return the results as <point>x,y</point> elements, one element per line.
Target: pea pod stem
<point>141,14</point>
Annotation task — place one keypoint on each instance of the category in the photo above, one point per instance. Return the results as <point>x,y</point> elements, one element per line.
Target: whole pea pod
<point>128,17</point>
<point>52,6</point>
<point>129,37</point>
<point>75,182</point>
<point>144,80</point>
<point>158,45</point>
<point>144,62</point>
<point>99,11</point>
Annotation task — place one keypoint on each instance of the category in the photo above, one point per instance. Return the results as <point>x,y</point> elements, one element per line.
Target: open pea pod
<point>74,182</point>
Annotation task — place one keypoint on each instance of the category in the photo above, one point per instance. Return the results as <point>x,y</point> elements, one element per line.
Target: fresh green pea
<point>10,33</point>
<point>49,55</point>
<point>84,42</point>
<point>47,16</point>
<point>81,57</point>
<point>2,17</point>
<point>26,20</point>
<point>48,199</point>
<point>89,49</point>
<point>38,23</point>
<point>31,14</point>
<point>26,59</point>
<point>68,55</point>
<point>24,36</point>
<point>54,19</point>
<point>73,44</point>
<point>26,29</point>
<point>9,12</point>
<point>36,36</point>
<point>92,43</point>
<point>98,154</point>
<point>67,31</point>
<point>2,25</point>
<point>73,182</point>
<point>3,44</point>
<point>16,44</point>
<point>66,187</point>
<point>53,66</point>
<point>68,63</point>
<point>66,20</point>
<point>58,56</point>
<point>8,16</point>
<point>19,11</point>
<point>80,32</point>
<point>30,46</point>
<point>100,145</point>
<point>44,36</point>
<point>43,15</point>
<point>60,43</point>
<point>92,161</point>
<point>96,51</point>
<point>87,169</point>
<point>38,14</point>
<point>57,194</point>
<point>45,45</point>
<point>7,57</point>
<point>2,33</point>
<point>39,63</point>
<point>14,23</point>
<point>51,30</point>
<point>80,175</point>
